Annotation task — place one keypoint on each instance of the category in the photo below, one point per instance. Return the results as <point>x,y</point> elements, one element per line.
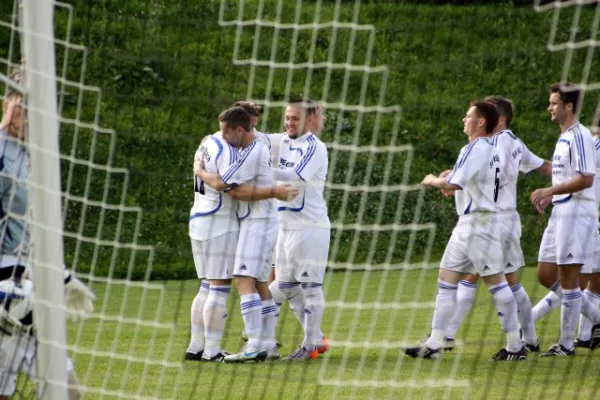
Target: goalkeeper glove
<point>79,299</point>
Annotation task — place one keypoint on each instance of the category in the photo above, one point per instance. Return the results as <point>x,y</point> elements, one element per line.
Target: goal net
<point>140,83</point>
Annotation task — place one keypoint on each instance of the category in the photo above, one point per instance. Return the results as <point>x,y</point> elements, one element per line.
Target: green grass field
<point>365,360</point>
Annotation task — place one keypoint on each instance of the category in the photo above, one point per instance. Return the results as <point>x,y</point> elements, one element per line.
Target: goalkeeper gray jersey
<point>14,170</point>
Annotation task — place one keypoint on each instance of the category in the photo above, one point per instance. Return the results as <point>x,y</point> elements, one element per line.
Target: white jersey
<point>597,177</point>
<point>272,141</point>
<point>213,213</point>
<point>516,158</point>
<point>307,157</point>
<point>253,168</point>
<point>574,154</point>
<point>479,172</point>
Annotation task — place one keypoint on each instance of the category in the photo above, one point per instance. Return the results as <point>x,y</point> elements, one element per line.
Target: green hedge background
<point>166,71</point>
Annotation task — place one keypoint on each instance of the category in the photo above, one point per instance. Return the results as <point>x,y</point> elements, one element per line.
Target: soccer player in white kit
<point>304,228</point>
<point>518,159</point>
<point>590,272</point>
<point>568,241</point>
<point>258,228</point>
<point>214,229</point>
<point>476,242</point>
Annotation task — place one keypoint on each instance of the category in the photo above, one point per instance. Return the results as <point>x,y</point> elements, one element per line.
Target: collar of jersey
<point>303,137</point>
<point>566,130</point>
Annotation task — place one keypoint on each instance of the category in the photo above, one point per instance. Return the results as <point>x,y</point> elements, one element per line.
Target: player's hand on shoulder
<point>286,192</point>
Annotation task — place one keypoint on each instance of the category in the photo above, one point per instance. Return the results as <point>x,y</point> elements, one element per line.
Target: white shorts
<point>255,248</point>
<point>511,242</point>
<point>214,257</point>
<point>569,236</point>
<point>17,354</point>
<point>474,251</point>
<point>302,254</point>
<point>593,267</point>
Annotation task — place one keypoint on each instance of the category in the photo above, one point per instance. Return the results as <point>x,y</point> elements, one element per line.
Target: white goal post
<point>45,197</point>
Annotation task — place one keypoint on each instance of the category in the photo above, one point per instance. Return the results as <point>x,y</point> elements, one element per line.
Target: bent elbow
<point>588,181</point>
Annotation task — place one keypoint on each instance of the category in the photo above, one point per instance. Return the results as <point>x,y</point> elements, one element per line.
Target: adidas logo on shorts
<point>509,265</point>
<point>570,255</point>
<point>486,268</point>
<point>243,268</point>
<point>305,275</point>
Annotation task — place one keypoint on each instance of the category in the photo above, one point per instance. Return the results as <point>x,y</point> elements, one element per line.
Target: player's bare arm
<point>245,192</point>
<point>542,197</point>
<point>438,182</point>
<point>250,193</point>
<point>546,168</point>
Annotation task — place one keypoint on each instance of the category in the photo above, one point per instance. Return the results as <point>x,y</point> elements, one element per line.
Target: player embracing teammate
<point>240,225</point>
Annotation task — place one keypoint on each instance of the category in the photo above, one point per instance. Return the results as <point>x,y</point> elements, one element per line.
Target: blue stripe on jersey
<point>202,214</point>
<point>564,141</point>
<point>312,147</point>
<point>468,209</point>
<point>563,200</point>
<point>580,149</point>
<point>297,149</point>
<point>245,216</point>
<point>466,154</point>
<point>239,162</point>
<point>219,145</point>
<point>597,143</point>
<point>294,209</point>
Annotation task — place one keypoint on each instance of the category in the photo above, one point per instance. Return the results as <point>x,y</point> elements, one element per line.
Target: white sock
<point>544,306</point>
<point>293,293</point>
<point>465,297</point>
<point>507,313</point>
<point>269,309</point>
<point>314,307</point>
<point>197,341</point>
<point>445,305</point>
<point>251,305</point>
<point>585,325</point>
<point>569,314</point>
<point>524,314</point>
<point>215,314</point>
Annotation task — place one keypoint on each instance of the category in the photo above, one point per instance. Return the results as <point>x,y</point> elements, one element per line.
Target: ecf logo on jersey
<point>285,163</point>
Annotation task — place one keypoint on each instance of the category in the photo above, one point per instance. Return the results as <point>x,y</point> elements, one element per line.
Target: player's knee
<point>245,285</point>
<point>546,278</point>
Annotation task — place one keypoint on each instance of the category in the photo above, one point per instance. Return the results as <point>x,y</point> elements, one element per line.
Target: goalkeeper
<point>17,339</point>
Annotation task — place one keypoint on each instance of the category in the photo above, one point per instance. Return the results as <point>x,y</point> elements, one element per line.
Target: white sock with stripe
<point>215,314</point>
<point>251,306</point>
<point>585,325</point>
<point>314,308</point>
<point>197,319</point>
<point>269,319</point>
<point>569,314</point>
<point>544,306</point>
<point>465,297</point>
<point>507,312</point>
<point>445,306</point>
<point>524,314</point>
